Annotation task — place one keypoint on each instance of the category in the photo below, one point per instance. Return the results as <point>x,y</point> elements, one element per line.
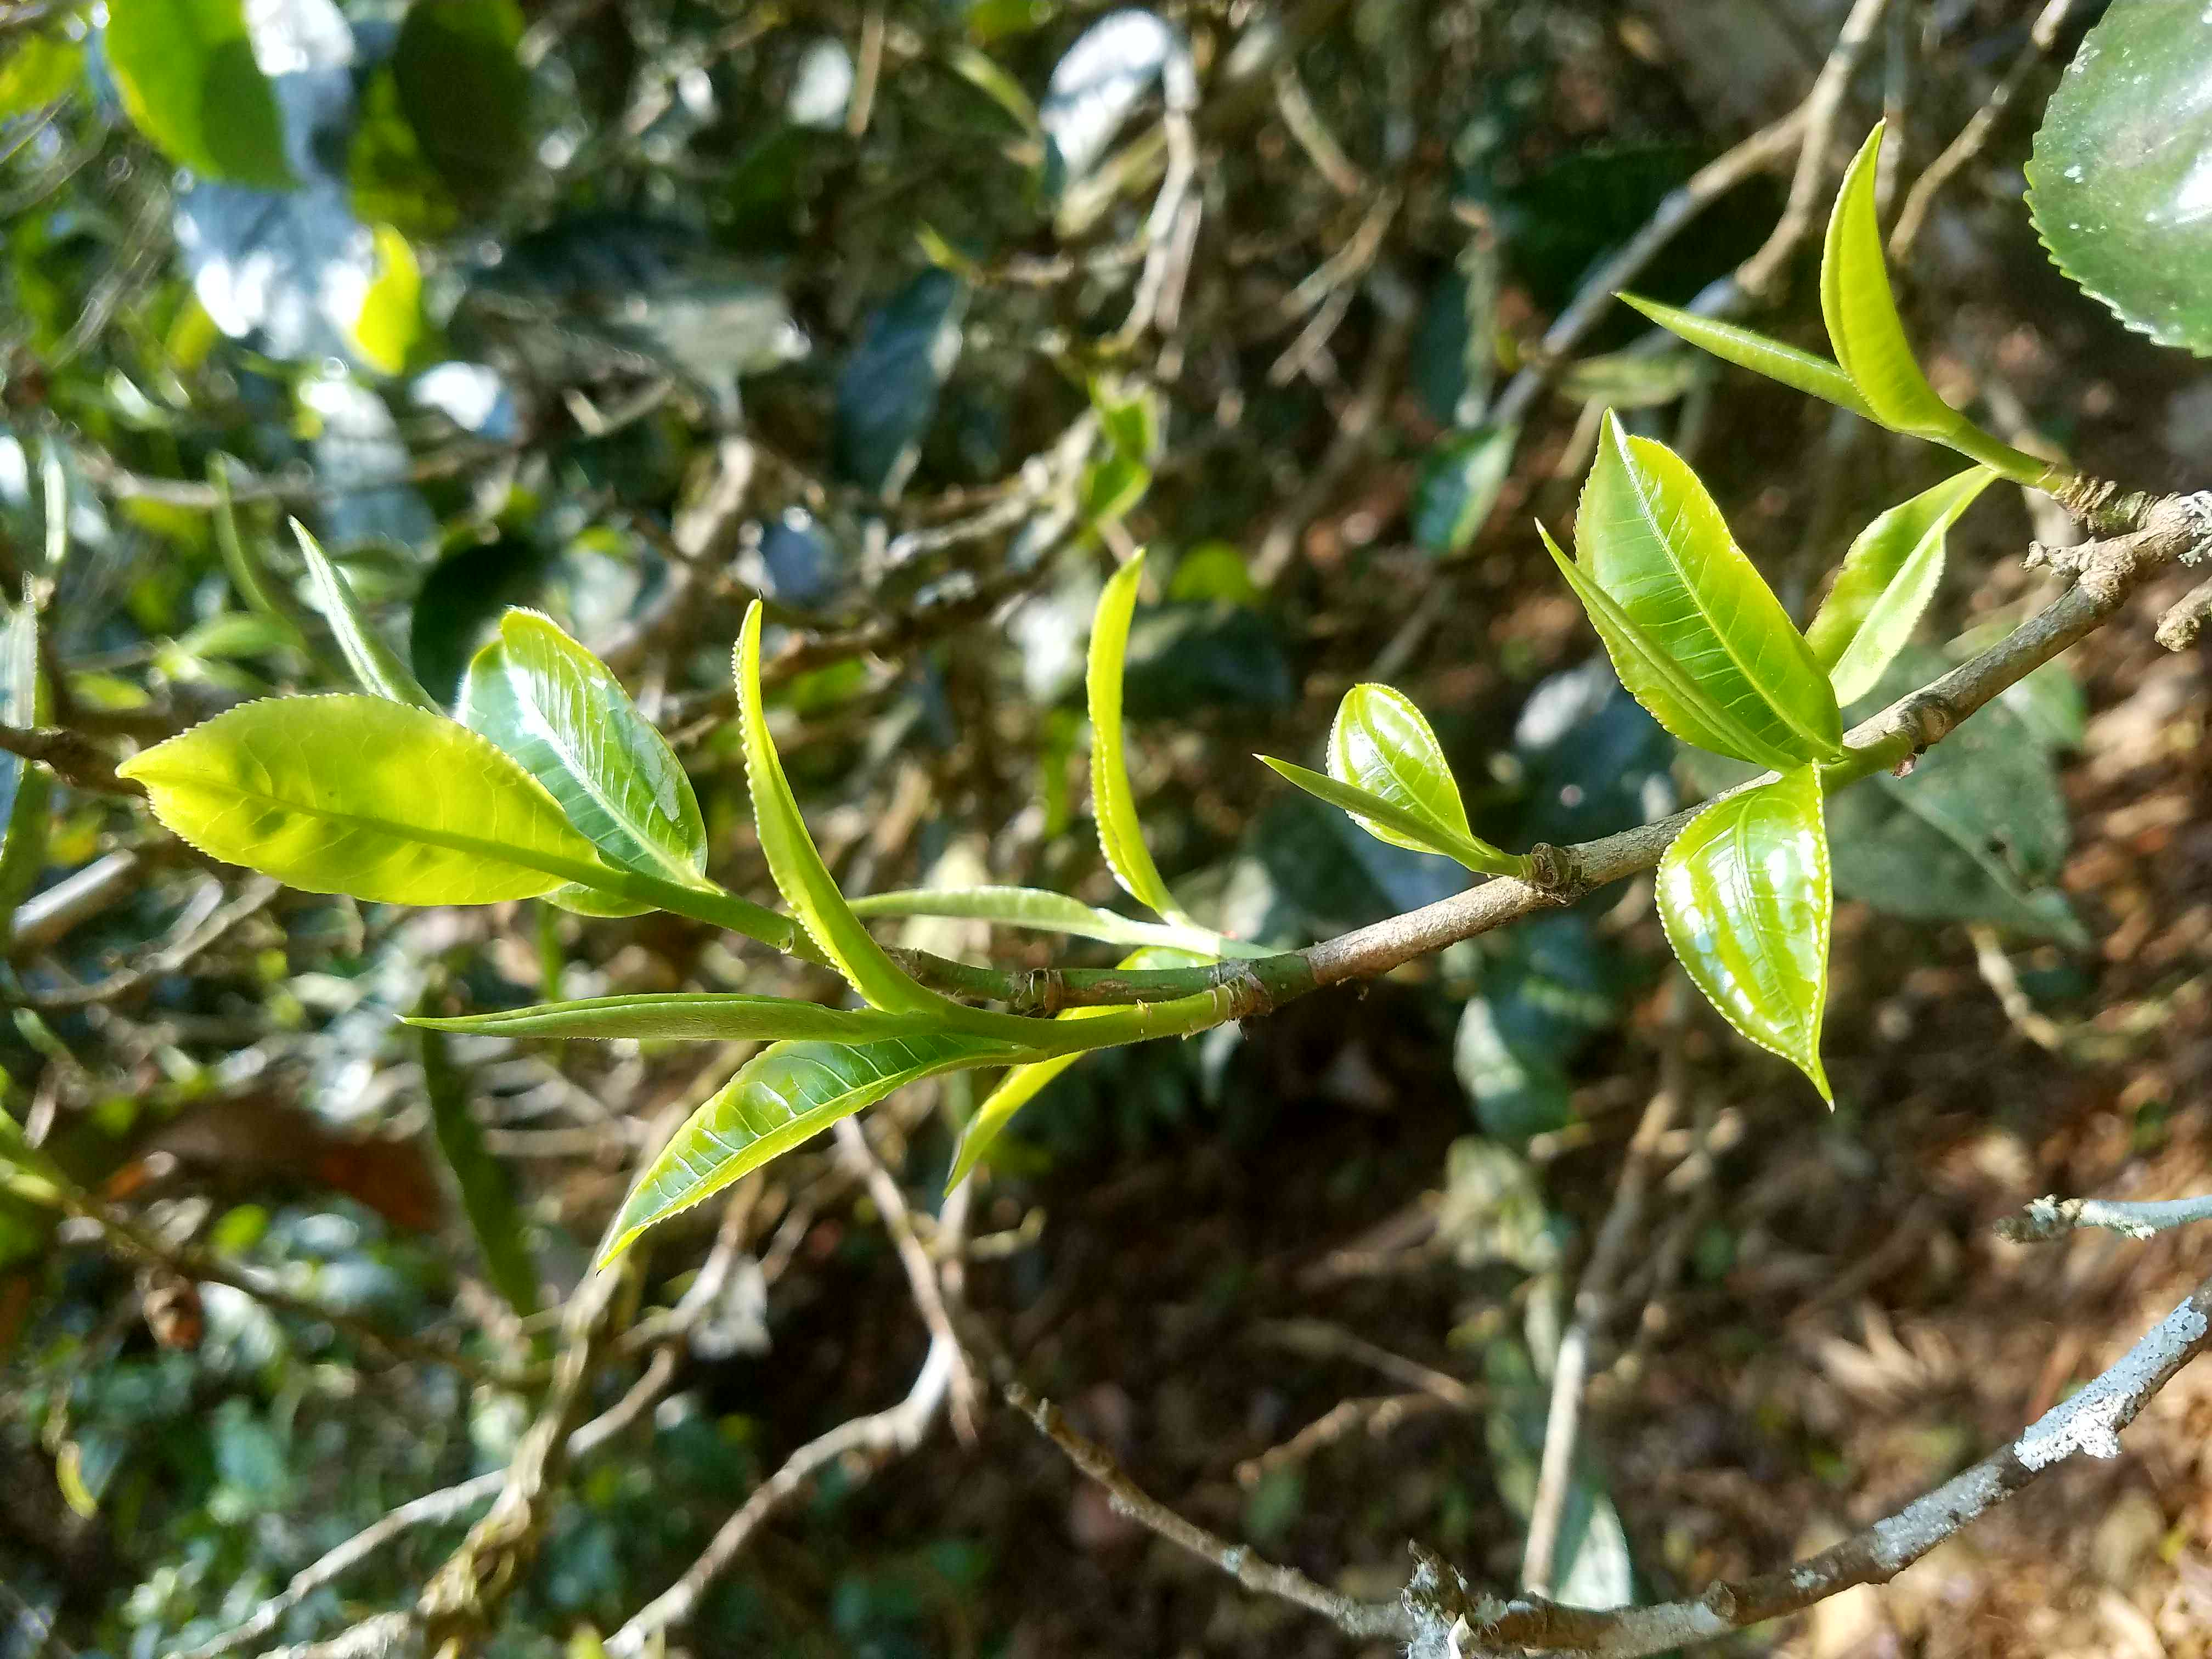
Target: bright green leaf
<point>796,864</point>
<point>1888,578</point>
<point>1020,907</point>
<point>1381,743</point>
<point>787,1094</point>
<point>1373,812</point>
<point>1111,486</point>
<point>1112,802</point>
<point>2117,183</point>
<point>554,707</point>
<point>376,666</point>
<point>1747,898</point>
<point>358,795</point>
<point>391,311</point>
<point>187,73</point>
<point>42,67</point>
<point>1756,352</point>
<point>1458,484</point>
<point>487,1193</point>
<point>1649,536</point>
<point>689,1017</point>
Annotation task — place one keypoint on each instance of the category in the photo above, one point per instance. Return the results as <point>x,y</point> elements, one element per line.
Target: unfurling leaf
<point>689,1017</point>
<point>1023,1084</point>
<point>356,795</point>
<point>796,864</point>
<point>1756,352</point>
<point>186,72</point>
<point>554,707</point>
<point>1022,906</point>
<point>783,1096</point>
<point>1387,769</point>
<point>1868,336</point>
<point>1888,578</point>
<point>376,666</point>
<point>1112,802</point>
<point>1746,896</point>
<point>1734,674</point>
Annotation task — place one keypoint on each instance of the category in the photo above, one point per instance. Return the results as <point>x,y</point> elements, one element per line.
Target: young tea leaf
<point>1756,352</point>
<point>1381,743</point>
<point>1868,336</point>
<point>356,795</point>
<point>1649,536</point>
<point>785,1095</point>
<point>1112,801</point>
<point>796,864</point>
<point>376,666</point>
<point>1023,906</point>
<point>688,1017</point>
<point>1746,896</point>
<point>1888,578</point>
<point>554,707</point>
<point>186,72</point>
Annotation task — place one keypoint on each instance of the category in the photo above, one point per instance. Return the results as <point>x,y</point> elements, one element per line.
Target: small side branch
<point>2052,1216</point>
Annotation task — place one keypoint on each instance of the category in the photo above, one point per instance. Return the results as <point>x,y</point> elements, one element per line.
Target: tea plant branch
<point>2051,1217</point>
<point>1355,1618</point>
<point>1971,138</point>
<point>2110,570</point>
<point>71,756</point>
<point>257,895</point>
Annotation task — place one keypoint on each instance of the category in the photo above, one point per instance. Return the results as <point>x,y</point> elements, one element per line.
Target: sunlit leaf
<point>358,795</point>
<point>391,311</point>
<point>784,1096</point>
<point>2117,183</point>
<point>1381,743</point>
<point>1649,536</point>
<point>796,864</point>
<point>186,72</point>
<point>1020,907</point>
<point>1746,896</point>
<point>41,67</point>
<point>1756,352</point>
<point>487,1192</point>
<point>376,666</point>
<point>1112,802</point>
<point>554,707</point>
<point>1888,578</point>
<point>688,1017</point>
<point>1023,1083</point>
<point>1868,336</point>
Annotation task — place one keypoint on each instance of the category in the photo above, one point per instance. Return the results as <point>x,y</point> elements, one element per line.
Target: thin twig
<point>2052,1216</point>
<point>260,893</point>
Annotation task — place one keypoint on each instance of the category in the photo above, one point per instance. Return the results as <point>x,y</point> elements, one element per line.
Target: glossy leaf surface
<point>687,1016</point>
<point>1861,310</point>
<point>1649,535</point>
<point>796,863</point>
<point>376,666</point>
<point>1757,353</point>
<point>1380,742</point>
<point>358,795</point>
<point>2116,185</point>
<point>554,707</point>
<point>1888,578</point>
<point>1023,1083</point>
<point>1112,802</point>
<point>186,72</point>
<point>1746,896</point>
<point>788,1094</point>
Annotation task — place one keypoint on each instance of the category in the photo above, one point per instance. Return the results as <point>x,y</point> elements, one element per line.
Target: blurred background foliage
<point>907,317</point>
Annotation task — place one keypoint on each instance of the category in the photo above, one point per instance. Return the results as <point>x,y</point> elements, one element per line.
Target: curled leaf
<point>1888,578</point>
<point>1746,896</point>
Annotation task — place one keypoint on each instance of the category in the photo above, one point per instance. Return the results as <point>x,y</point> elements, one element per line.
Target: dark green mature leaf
<point>788,1094</point>
<point>688,1017</point>
<point>186,72</point>
<point>1458,482</point>
<point>465,93</point>
<point>2118,186</point>
<point>796,864</point>
<point>26,791</point>
<point>376,665</point>
<point>1888,578</point>
<point>887,390</point>
<point>353,795</point>
<point>553,706</point>
<point>1756,352</point>
<point>1746,896</point>
<point>1113,802</point>
<point>487,1193</point>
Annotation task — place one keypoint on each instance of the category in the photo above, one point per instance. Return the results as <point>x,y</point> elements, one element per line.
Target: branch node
<point>1553,872</point>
